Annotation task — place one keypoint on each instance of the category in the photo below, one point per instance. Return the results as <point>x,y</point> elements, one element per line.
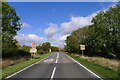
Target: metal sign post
<point>82,53</point>
<point>82,47</point>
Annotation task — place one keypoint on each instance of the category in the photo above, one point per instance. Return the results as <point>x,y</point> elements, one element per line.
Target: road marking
<point>84,67</point>
<point>51,60</point>
<point>54,67</point>
<point>48,60</point>
<point>56,61</point>
<point>53,73</point>
<point>27,67</point>
<point>57,55</point>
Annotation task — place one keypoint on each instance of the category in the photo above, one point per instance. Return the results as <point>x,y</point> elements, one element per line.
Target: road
<point>57,66</point>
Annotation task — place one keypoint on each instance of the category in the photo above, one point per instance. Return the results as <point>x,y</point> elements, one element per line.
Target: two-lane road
<point>56,66</point>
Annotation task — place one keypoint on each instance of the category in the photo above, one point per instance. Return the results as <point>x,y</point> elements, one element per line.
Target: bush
<point>15,53</point>
<point>41,52</point>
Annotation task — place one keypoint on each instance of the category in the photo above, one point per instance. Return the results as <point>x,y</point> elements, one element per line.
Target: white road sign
<point>82,47</point>
<point>33,50</point>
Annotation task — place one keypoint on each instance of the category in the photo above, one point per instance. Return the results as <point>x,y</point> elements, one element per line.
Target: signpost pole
<point>82,52</point>
<point>82,48</point>
<point>34,54</point>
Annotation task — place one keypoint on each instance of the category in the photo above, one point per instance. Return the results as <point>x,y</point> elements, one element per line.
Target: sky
<point>54,21</point>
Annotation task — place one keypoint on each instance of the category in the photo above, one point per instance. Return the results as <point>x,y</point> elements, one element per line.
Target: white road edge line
<point>26,68</point>
<point>51,78</point>
<point>84,67</point>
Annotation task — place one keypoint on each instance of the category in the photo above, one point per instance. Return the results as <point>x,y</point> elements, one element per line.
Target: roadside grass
<point>105,62</point>
<point>104,72</point>
<point>12,61</point>
<point>14,68</point>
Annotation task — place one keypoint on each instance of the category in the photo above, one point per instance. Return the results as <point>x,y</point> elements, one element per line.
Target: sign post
<point>33,50</point>
<point>82,47</point>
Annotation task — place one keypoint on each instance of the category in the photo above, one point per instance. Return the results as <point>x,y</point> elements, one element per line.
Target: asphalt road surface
<point>57,66</point>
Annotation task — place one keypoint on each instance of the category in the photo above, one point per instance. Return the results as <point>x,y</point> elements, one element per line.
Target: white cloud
<point>76,22</point>
<point>54,34</point>
<point>57,35</point>
<point>28,39</point>
<point>63,38</point>
<point>51,30</point>
<point>57,40</point>
<point>25,25</point>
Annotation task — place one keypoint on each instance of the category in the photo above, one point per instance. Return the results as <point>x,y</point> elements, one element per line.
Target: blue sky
<point>54,21</point>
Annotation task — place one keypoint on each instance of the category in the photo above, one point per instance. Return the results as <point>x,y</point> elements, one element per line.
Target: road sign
<point>49,50</point>
<point>33,50</point>
<point>33,45</point>
<point>82,47</point>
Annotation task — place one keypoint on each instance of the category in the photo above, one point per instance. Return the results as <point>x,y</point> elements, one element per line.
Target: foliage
<point>102,38</point>
<point>25,48</point>
<point>40,50</point>
<point>75,39</point>
<point>44,48</point>
<point>54,49</point>
<point>105,33</point>
<point>24,51</point>
<point>10,26</point>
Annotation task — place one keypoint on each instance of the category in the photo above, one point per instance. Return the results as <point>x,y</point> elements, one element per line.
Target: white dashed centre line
<point>57,55</point>
<point>53,73</point>
<point>56,61</point>
<point>54,67</point>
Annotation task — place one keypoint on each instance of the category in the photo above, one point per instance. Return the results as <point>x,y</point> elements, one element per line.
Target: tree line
<point>9,28</point>
<point>46,47</point>
<point>102,38</point>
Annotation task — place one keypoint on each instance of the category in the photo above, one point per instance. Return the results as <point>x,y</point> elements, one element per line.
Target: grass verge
<point>104,72</point>
<point>14,68</point>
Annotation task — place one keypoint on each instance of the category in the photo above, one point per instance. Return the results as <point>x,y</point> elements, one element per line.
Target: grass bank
<point>12,61</point>
<point>104,72</point>
<point>14,68</point>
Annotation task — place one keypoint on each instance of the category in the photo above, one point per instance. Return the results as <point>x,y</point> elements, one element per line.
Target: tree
<point>25,48</point>
<point>10,26</point>
<point>54,49</point>
<point>102,38</point>
<point>75,39</point>
<point>40,49</point>
<point>105,33</point>
<point>46,46</point>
